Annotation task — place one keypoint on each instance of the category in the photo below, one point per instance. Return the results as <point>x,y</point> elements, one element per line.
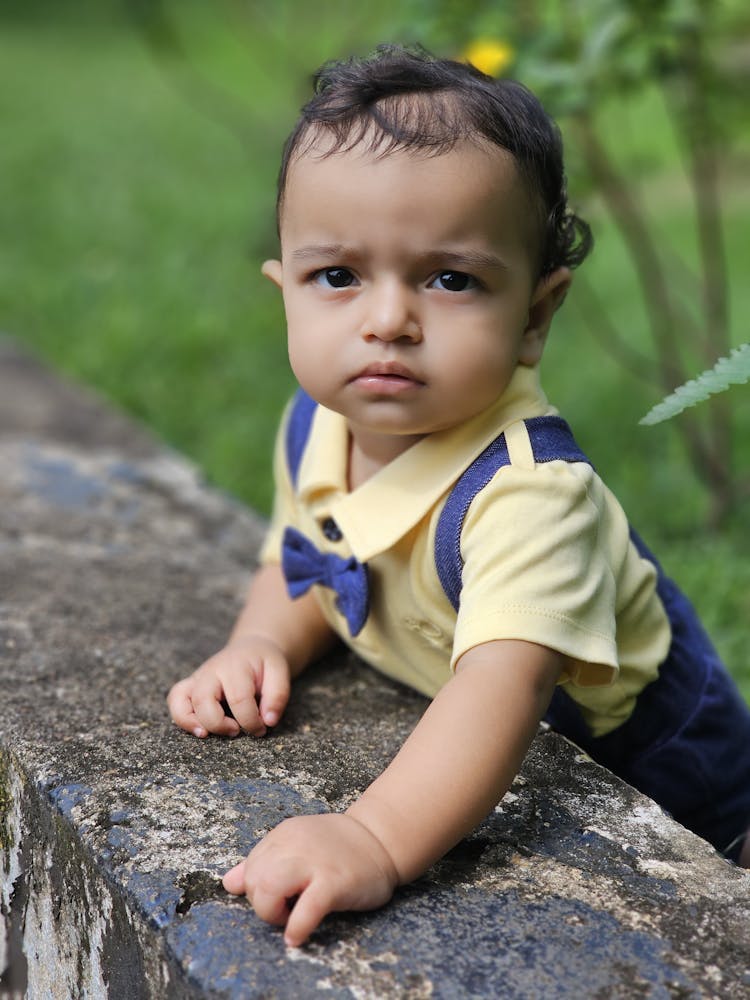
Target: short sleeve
<point>539,565</point>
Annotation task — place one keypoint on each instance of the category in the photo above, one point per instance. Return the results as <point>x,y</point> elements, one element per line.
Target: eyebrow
<point>460,259</point>
<point>317,250</point>
<point>468,260</point>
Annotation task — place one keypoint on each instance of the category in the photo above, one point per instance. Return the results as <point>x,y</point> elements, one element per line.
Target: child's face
<point>409,285</point>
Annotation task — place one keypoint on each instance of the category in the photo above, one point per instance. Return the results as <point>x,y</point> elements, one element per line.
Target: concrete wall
<point>119,570</point>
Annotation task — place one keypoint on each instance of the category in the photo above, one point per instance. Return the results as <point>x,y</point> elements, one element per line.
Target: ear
<point>272,269</point>
<point>547,298</point>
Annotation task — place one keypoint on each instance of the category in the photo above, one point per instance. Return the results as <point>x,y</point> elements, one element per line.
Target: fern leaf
<point>731,370</point>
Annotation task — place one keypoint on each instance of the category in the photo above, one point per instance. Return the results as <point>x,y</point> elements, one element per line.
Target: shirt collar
<point>323,468</point>
<point>382,510</point>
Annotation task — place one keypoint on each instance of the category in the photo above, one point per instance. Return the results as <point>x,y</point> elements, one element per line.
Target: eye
<point>454,281</point>
<point>334,277</point>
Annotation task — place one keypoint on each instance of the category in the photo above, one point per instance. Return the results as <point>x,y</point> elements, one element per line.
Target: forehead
<point>472,190</point>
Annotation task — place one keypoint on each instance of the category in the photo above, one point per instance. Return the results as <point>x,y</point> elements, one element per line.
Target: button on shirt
<point>546,551</point>
<point>331,530</point>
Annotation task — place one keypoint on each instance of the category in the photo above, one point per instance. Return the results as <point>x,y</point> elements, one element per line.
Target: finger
<point>275,690</point>
<point>179,703</point>
<point>234,880</point>
<point>309,910</point>
<point>207,694</point>
<point>274,889</point>
<point>271,905</point>
<point>181,710</point>
<point>240,694</point>
<point>206,698</point>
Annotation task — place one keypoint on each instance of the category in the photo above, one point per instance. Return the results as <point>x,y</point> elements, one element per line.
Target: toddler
<point>434,512</point>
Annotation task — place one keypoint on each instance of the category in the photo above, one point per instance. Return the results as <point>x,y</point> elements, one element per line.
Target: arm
<point>295,625</point>
<point>456,765</point>
<point>272,641</point>
<point>464,754</point>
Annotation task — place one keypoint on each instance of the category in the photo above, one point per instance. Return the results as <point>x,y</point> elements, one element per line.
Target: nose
<point>391,313</point>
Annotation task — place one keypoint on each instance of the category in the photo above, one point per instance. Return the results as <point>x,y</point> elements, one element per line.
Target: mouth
<point>387,376</point>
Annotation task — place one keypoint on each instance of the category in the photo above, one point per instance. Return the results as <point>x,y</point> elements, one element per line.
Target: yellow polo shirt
<point>546,550</point>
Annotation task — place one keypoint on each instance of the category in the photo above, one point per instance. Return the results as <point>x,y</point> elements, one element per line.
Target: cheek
<point>298,356</point>
<point>297,331</point>
<point>310,360</point>
<point>304,323</point>
<point>313,333</point>
<point>481,358</point>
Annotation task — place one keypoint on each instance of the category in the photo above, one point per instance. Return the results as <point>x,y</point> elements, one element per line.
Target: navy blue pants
<point>687,743</point>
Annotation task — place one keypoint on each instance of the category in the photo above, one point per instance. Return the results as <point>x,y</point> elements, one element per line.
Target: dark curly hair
<point>405,99</point>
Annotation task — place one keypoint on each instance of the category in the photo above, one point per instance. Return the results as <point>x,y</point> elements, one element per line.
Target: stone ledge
<point>119,569</point>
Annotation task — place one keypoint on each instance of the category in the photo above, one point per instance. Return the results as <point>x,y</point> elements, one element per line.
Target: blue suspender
<point>551,440</point>
<point>655,749</point>
<point>298,431</point>
<point>302,564</point>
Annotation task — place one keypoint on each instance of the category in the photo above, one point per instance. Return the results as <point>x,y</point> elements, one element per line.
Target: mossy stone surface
<point>120,570</point>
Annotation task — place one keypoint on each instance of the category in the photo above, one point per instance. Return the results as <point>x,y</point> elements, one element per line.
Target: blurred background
<point>139,144</point>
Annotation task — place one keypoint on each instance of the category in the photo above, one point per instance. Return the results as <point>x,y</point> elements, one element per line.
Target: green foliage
<point>577,54</point>
<point>139,189</point>
<point>137,162</point>
<point>591,61</point>
<point>605,48</point>
<point>727,371</point>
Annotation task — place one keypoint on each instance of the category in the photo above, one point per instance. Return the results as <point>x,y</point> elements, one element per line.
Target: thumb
<point>234,880</point>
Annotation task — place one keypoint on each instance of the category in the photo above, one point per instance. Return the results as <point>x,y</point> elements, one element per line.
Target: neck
<point>369,452</point>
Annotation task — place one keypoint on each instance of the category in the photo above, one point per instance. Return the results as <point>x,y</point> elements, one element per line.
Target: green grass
<point>137,205</point>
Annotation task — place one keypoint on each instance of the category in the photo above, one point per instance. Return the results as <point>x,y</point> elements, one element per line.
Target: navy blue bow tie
<point>303,565</point>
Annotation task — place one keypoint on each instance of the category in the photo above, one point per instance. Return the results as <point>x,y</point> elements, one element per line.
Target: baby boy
<point>434,512</point>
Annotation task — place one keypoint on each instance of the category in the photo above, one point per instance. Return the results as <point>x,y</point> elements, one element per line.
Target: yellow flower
<point>489,56</point>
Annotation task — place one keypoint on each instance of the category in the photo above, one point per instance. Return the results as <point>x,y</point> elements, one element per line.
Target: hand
<point>323,863</point>
<point>250,675</point>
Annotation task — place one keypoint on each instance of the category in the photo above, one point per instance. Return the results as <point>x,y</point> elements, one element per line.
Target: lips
<point>387,372</point>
